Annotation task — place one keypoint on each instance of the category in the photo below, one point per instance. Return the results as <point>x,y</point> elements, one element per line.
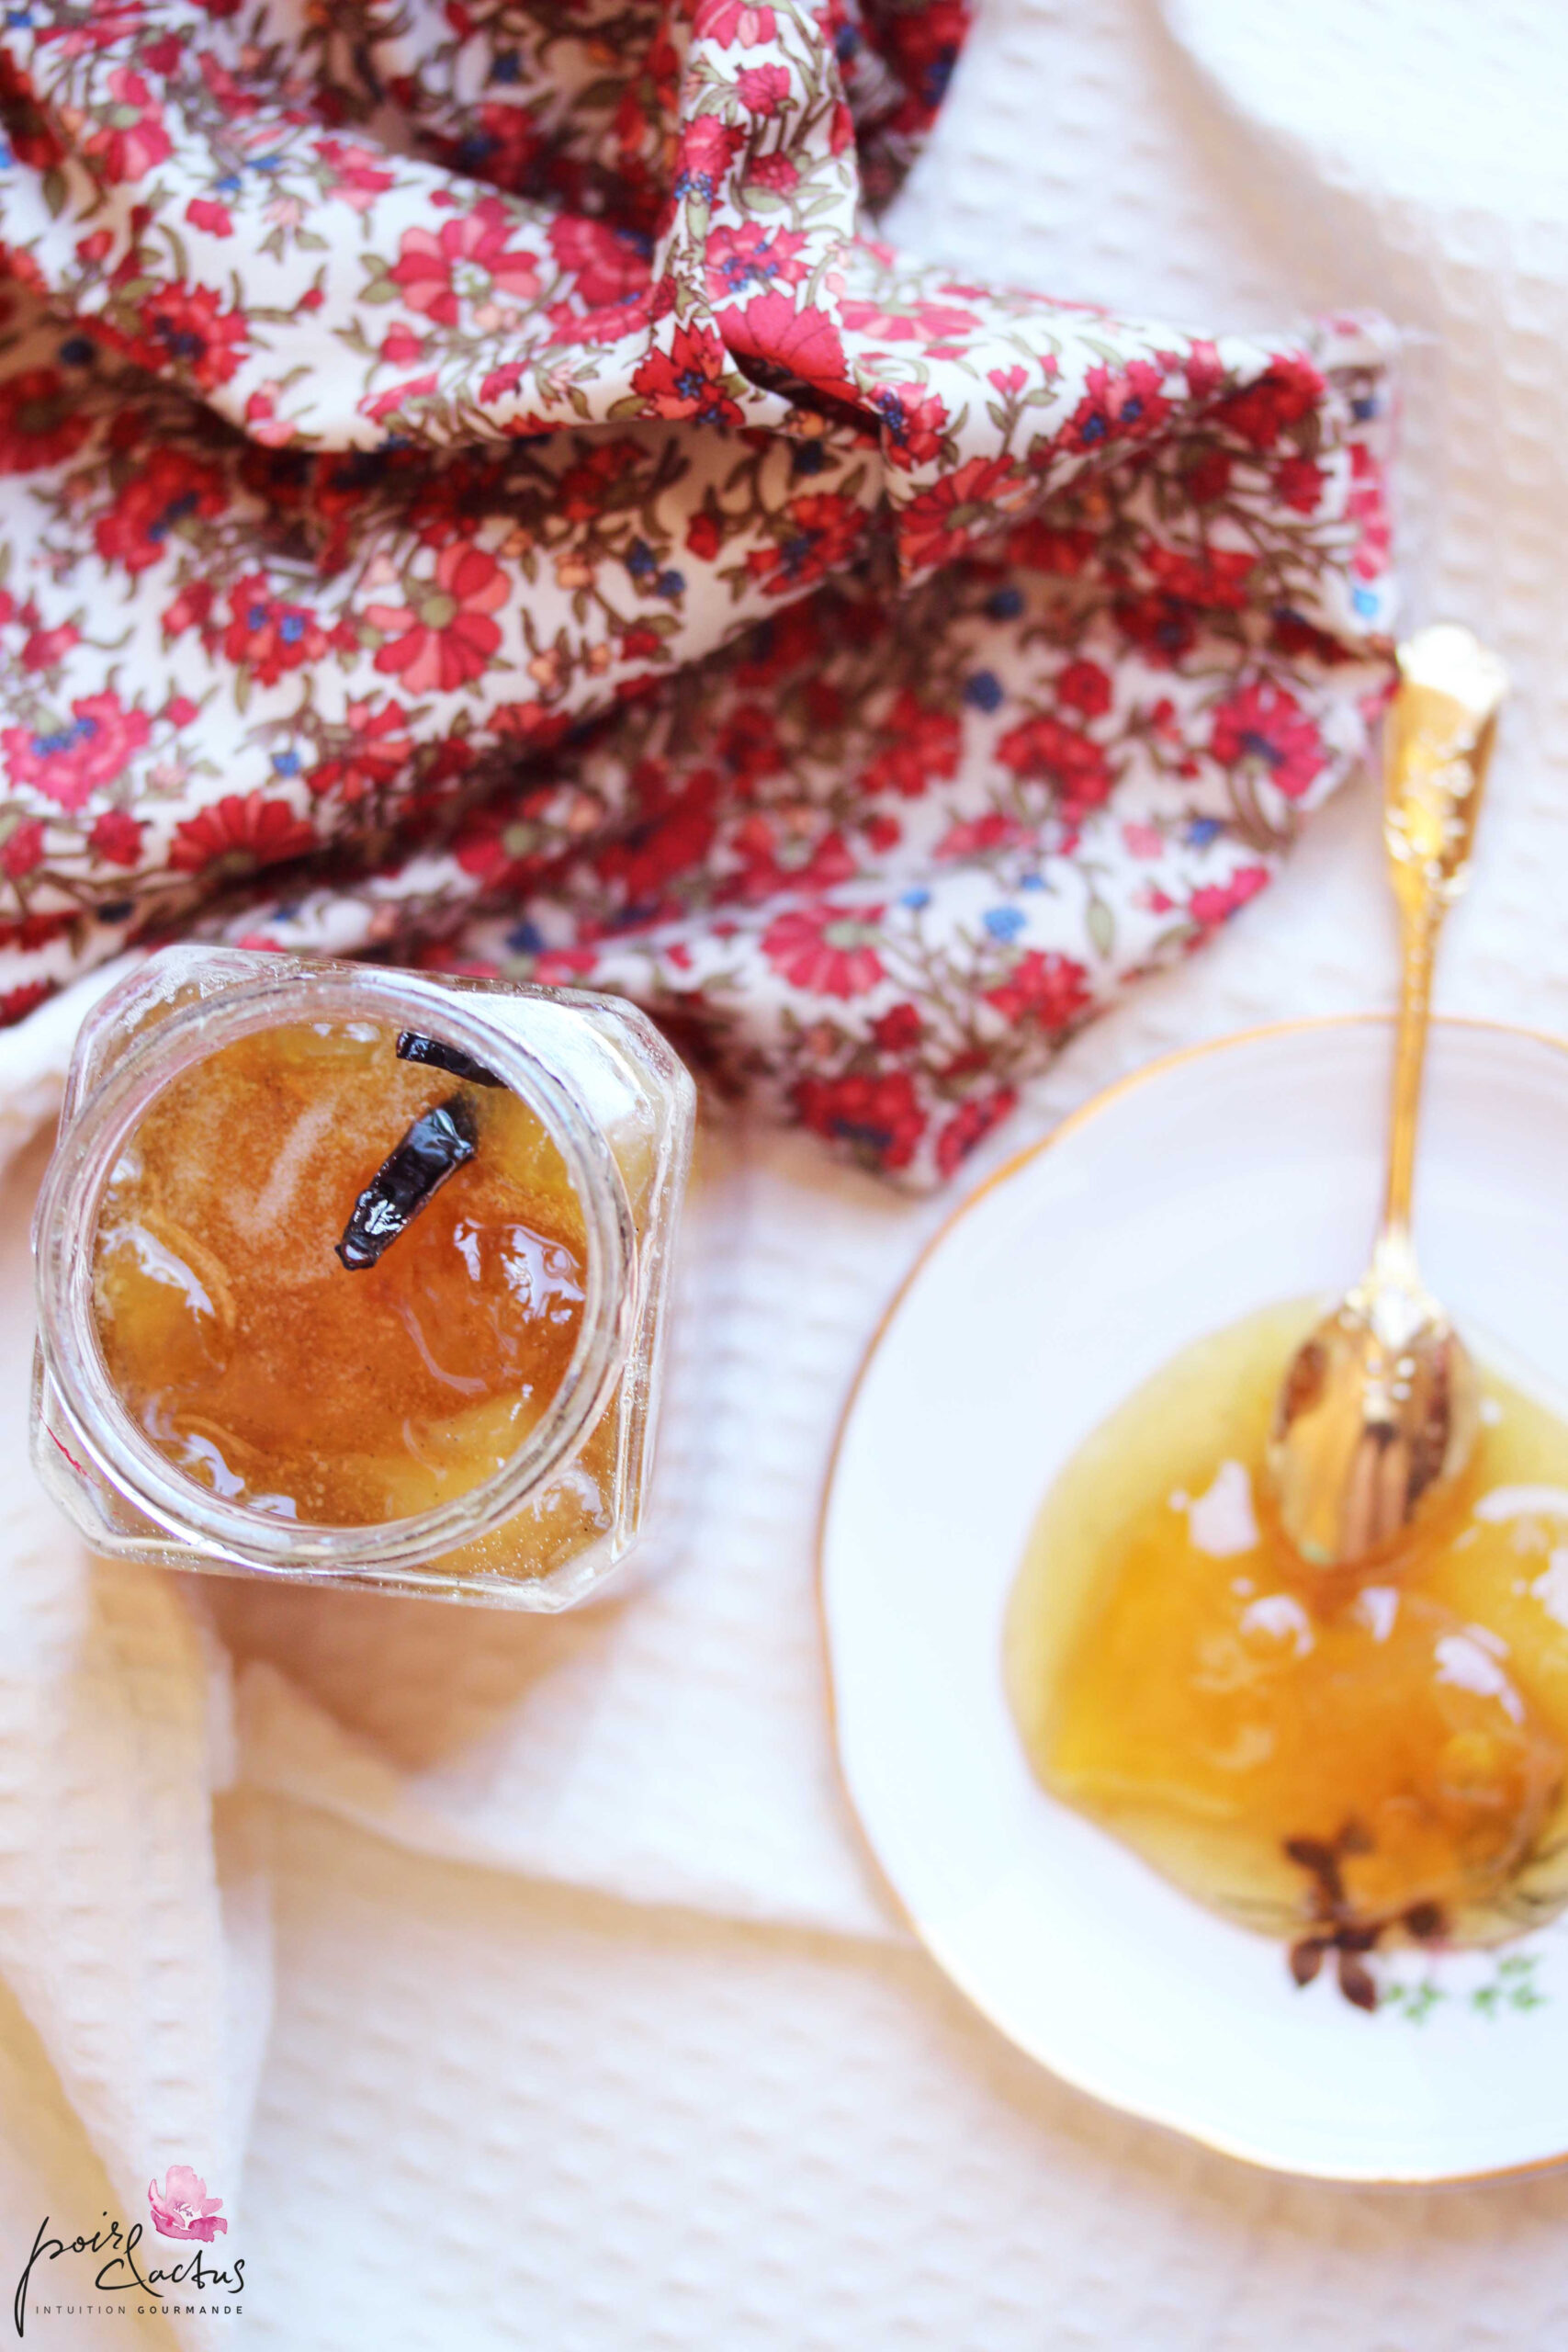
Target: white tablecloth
<point>522,1984</point>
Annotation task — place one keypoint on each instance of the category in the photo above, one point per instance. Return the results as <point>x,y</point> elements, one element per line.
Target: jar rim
<point>71,1202</point>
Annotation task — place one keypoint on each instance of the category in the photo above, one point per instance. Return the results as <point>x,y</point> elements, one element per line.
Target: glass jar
<point>545,1528</point>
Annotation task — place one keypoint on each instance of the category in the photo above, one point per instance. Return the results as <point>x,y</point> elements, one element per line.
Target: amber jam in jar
<point>355,1275</point>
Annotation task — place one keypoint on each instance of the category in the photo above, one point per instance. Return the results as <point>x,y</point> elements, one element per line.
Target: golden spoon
<point>1379,1410</point>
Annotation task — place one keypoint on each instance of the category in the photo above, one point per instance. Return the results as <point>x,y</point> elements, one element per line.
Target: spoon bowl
<point>1376,1421</point>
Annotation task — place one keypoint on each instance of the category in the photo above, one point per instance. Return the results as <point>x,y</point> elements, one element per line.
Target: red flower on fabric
<point>1216,577</point>
<point>443,636</point>
<point>1117,408</point>
<point>1259,412</point>
<point>939,524</point>
<point>1087,687</point>
<point>879,1117</point>
<point>610,266</point>
<point>500,143</point>
<point>16,1003</point>
<point>71,763</point>
<point>45,648</point>
<point>1038,546</point>
<point>467,259</point>
<point>170,488</point>
<point>229,96</point>
<point>1298,484</point>
<point>1290,635</point>
<point>40,423</point>
<point>899,1028</point>
<point>977,836</point>
<point>380,406</point>
<point>762,89</point>
<point>1263,722</point>
<point>749,747</point>
<point>776,173</point>
<point>913,423</point>
<point>818,533</point>
<point>583,490</point>
<point>23,850</point>
<point>704,537</point>
<point>730,22</point>
<point>1203,368</point>
<point>1161,626</point>
<point>919,747</point>
<point>529,725</point>
<point>368,753</point>
<point>671,834</point>
<point>268,634</point>
<point>1043,986</point>
<point>923,46</point>
<point>130,138</point>
<point>1042,750</point>
<point>356,174</point>
<point>1217,900</point>
<point>239,834</point>
<point>186,327</point>
<point>688,381</point>
<point>214,219</point>
<point>116,838</point>
<point>909,323</point>
<point>703,156</point>
<point>774,858</point>
<point>793,640</point>
<point>569,324</point>
<point>739,259</point>
<point>798,342</point>
<point>1209,479</point>
<point>1368,506</point>
<point>969,1126</point>
<point>189,609</point>
<point>829,951</point>
<point>499,844</point>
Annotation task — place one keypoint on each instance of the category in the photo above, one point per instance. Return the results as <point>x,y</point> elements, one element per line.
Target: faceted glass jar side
<point>549,1527</point>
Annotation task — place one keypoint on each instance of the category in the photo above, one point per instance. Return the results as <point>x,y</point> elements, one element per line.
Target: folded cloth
<point>475,494</point>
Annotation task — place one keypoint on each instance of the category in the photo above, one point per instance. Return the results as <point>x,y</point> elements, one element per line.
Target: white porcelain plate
<point>1202,1188</point>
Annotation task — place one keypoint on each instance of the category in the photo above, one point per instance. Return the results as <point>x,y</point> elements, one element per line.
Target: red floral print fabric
<point>476,490</point>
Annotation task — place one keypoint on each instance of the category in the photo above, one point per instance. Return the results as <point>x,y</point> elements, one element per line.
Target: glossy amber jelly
<point>263,1367</point>
<point>1339,1762</point>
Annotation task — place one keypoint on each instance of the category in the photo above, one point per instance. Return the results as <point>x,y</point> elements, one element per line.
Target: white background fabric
<point>520,1983</point>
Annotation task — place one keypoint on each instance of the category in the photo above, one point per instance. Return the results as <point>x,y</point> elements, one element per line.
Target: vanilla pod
<point>434,1147</point>
<point>414,1046</point>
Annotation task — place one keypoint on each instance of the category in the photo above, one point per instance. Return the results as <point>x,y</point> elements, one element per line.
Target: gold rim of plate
<point>998,1177</point>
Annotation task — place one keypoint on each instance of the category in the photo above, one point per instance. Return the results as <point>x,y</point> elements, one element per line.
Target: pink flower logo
<point>182,2208</point>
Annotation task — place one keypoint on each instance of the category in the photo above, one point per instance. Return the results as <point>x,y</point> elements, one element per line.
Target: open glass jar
<point>355,1276</point>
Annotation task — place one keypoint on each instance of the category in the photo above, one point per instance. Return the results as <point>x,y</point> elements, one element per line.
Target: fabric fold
<point>476,491</point>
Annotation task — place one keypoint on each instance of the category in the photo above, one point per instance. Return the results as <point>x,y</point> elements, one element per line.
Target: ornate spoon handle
<point>1441,730</point>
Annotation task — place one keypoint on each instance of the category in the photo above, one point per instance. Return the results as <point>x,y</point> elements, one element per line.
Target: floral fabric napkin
<point>475,492</point>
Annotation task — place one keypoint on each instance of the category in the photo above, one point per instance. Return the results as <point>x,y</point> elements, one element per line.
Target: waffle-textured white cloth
<point>577,2018</point>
